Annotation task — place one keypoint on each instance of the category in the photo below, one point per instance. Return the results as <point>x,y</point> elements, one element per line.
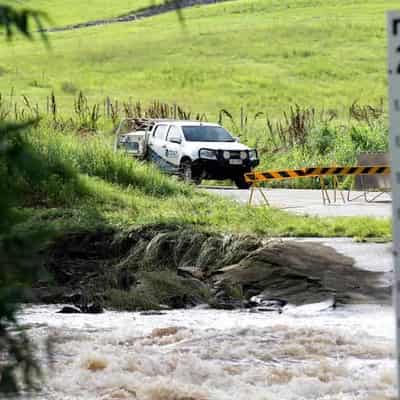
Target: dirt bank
<point>157,266</point>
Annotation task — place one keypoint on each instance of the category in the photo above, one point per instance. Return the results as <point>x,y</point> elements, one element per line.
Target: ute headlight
<point>243,155</point>
<point>253,155</point>
<point>208,154</point>
<point>226,155</point>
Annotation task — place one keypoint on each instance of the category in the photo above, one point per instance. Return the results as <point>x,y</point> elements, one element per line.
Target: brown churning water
<point>202,354</point>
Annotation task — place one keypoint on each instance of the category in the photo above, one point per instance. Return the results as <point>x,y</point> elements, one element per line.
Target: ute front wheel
<point>187,173</point>
<point>240,182</point>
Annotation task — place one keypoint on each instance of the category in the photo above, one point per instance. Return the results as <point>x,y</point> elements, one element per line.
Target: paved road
<point>310,202</point>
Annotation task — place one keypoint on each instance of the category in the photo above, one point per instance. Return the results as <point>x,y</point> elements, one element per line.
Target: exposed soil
<point>158,266</point>
<point>171,5</point>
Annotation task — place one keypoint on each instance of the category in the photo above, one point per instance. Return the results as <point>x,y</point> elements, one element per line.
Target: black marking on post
<point>338,170</point>
<point>310,171</point>
<point>381,170</point>
<point>324,170</point>
<point>299,172</point>
<point>366,170</point>
<point>352,170</point>
<point>267,175</point>
<point>284,174</point>
<point>395,25</point>
<point>252,177</point>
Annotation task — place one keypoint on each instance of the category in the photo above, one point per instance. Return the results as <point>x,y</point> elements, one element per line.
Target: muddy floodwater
<point>312,351</point>
<point>304,353</point>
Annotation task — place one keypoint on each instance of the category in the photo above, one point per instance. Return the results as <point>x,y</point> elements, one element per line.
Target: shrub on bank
<point>94,155</point>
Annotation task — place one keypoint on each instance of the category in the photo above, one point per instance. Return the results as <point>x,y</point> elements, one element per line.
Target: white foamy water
<point>304,353</point>
<point>308,352</point>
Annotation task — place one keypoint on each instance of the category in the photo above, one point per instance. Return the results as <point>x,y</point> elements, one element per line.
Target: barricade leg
<point>336,189</point>
<point>252,187</point>
<point>264,196</point>
<point>371,200</point>
<point>324,191</point>
<point>355,197</point>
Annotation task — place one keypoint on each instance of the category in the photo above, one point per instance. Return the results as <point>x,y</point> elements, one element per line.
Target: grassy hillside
<point>262,54</point>
<point>74,11</point>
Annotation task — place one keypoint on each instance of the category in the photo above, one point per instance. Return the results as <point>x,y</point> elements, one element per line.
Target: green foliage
<point>12,20</point>
<point>301,136</point>
<point>94,155</point>
<point>16,251</point>
<point>326,143</point>
<point>92,186</point>
<point>17,260</point>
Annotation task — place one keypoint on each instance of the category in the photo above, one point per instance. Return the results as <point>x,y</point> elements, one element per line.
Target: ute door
<point>174,149</point>
<point>158,148</point>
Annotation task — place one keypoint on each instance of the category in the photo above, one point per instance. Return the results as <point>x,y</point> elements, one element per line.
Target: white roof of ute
<point>180,122</point>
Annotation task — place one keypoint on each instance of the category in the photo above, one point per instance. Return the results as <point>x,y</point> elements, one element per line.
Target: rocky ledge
<point>160,267</point>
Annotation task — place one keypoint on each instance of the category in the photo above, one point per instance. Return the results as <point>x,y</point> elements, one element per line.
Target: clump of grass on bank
<point>310,139</point>
<point>158,287</point>
<point>94,156</point>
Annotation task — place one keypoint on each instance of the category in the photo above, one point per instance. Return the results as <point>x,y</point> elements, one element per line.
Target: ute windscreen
<point>206,134</point>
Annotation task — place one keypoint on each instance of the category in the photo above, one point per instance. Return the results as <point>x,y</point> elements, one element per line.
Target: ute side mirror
<point>236,139</point>
<point>176,140</point>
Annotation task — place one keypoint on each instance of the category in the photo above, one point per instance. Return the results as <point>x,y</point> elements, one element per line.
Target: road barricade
<point>257,177</point>
<point>371,187</point>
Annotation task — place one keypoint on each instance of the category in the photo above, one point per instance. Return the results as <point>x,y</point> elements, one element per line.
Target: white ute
<point>195,150</point>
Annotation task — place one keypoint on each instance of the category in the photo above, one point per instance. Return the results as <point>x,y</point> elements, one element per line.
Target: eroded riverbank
<point>172,267</point>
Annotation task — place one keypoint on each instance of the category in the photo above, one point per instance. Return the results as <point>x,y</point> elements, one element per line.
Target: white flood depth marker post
<point>394,113</point>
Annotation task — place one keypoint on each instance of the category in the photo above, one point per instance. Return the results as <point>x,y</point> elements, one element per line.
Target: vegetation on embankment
<point>170,266</point>
<point>300,137</point>
<point>86,185</point>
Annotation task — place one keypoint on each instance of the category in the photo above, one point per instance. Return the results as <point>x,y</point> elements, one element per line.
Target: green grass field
<point>262,54</point>
<point>69,12</point>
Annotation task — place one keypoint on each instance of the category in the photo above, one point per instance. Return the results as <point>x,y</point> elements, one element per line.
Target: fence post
<point>393,30</point>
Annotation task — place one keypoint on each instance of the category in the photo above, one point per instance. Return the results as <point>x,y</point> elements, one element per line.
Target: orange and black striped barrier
<point>272,175</point>
<point>263,176</point>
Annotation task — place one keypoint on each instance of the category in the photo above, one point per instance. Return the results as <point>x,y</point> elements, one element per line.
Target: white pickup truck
<point>195,150</point>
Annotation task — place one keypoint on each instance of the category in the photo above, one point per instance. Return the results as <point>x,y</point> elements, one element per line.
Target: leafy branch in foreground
<point>16,250</point>
<point>18,20</point>
<point>17,267</point>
